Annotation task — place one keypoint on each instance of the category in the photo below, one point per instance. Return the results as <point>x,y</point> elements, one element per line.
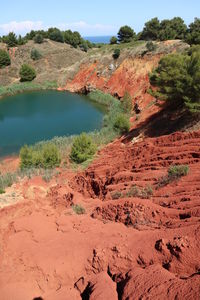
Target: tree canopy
<point>193,36</point>
<point>151,30</point>
<point>164,30</point>
<point>56,35</point>
<point>126,34</point>
<point>11,40</point>
<point>177,79</point>
<point>113,40</point>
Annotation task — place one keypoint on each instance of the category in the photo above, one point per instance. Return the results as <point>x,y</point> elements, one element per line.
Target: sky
<point>90,17</point>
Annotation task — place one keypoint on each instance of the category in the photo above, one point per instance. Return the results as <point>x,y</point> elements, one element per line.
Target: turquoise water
<point>34,116</point>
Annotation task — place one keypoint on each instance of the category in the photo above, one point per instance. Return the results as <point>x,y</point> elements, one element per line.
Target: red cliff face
<point>131,76</point>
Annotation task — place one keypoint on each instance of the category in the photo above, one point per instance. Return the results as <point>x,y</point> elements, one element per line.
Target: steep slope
<point>136,245</point>
<point>128,73</point>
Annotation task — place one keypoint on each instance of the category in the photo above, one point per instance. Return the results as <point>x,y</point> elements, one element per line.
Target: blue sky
<point>90,17</point>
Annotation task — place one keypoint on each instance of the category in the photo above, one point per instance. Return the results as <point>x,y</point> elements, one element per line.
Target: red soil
<point>130,76</point>
<point>9,164</point>
<point>128,248</point>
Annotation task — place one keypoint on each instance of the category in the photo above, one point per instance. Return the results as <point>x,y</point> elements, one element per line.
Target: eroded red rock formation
<point>139,243</point>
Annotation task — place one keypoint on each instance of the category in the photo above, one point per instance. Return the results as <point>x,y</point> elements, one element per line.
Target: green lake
<point>34,116</point>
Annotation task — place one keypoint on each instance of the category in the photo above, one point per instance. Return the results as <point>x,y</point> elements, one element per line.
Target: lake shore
<point>20,87</point>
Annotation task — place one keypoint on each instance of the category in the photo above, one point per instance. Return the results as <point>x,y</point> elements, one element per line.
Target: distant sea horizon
<point>99,39</point>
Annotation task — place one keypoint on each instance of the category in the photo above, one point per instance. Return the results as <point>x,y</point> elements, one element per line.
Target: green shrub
<point>144,193</point>
<point>11,39</point>
<point>78,209</point>
<point>26,154</point>
<point>113,40</point>
<point>56,35</point>
<point>82,149</point>
<point>116,53</point>
<point>121,123</point>
<point>51,157</point>
<point>178,171</point>
<point>35,54</point>
<point>151,46</point>
<point>21,40</point>
<point>83,46</point>
<point>126,103</point>
<point>46,156</point>
<point>27,73</point>
<point>38,39</point>
<point>4,59</point>
<point>174,173</point>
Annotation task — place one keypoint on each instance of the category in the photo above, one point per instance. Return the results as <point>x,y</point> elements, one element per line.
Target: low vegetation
<point>116,53</point>
<point>38,38</point>
<point>175,172</point>
<point>113,40</point>
<point>15,88</point>
<point>78,209</point>
<point>6,180</point>
<point>4,59</point>
<point>100,97</point>
<point>134,191</point>
<point>46,157</point>
<point>83,148</point>
<point>151,46</point>
<point>121,123</point>
<point>27,73</point>
<point>126,103</point>
<point>35,54</point>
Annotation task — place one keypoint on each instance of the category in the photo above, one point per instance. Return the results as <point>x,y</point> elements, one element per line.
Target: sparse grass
<point>174,173</point>
<point>102,98</point>
<point>20,87</point>
<point>110,48</point>
<point>78,209</point>
<point>134,191</point>
<point>116,195</point>
<point>6,180</point>
<point>144,193</point>
<point>48,175</point>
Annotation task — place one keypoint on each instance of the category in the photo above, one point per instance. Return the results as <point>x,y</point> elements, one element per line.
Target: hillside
<point>138,235</point>
<point>117,245</point>
<point>55,64</point>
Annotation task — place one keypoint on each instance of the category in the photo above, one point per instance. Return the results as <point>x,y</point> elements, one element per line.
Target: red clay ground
<point>127,248</point>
